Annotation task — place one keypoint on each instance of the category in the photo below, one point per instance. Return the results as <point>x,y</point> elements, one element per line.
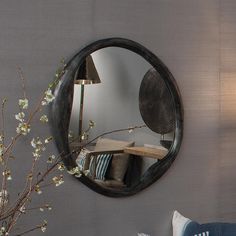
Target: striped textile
<point>98,166</point>
<point>80,161</point>
<point>202,234</point>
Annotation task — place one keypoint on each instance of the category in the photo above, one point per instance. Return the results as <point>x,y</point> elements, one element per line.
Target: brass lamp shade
<point>87,73</point>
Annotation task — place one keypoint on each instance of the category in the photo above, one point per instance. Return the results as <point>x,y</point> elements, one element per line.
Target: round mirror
<point>117,116</point>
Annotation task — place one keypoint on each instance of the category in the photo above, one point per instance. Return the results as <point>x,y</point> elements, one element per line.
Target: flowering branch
<point>10,214</point>
<point>35,181</point>
<point>42,227</point>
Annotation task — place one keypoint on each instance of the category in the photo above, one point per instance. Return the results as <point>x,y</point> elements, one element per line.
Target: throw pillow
<point>98,166</point>
<point>183,226</point>
<point>119,161</point>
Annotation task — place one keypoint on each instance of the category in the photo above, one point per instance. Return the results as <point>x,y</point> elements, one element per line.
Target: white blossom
<point>75,171</point>
<point>58,180</point>
<point>61,166</point>
<point>44,119</point>
<point>48,207</point>
<point>22,209</point>
<point>51,158</point>
<point>48,98</point>
<point>7,174</point>
<point>37,189</point>
<point>2,148</point>
<point>38,146</point>
<point>36,154</point>
<point>20,116</point>
<point>91,124</point>
<point>23,128</point>
<point>23,103</point>
<point>3,231</point>
<point>36,142</point>
<point>70,134</point>
<point>84,136</point>
<point>44,226</point>
<point>47,140</point>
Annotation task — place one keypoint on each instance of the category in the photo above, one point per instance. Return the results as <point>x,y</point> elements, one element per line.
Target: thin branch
<point>114,131</point>
<point>3,116</point>
<point>3,187</point>
<point>37,208</point>
<point>20,72</point>
<point>24,197</point>
<point>28,231</point>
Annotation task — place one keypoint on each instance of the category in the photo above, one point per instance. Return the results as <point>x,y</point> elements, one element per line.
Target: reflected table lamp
<point>86,74</point>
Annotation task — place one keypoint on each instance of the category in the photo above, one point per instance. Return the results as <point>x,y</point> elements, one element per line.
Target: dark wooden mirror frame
<point>60,112</point>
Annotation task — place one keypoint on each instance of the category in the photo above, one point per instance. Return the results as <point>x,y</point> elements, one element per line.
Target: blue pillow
<point>185,227</point>
<point>99,165</point>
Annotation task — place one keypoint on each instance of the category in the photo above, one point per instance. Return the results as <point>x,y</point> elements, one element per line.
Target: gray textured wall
<point>197,41</point>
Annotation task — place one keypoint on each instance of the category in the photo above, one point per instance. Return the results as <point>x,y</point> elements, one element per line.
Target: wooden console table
<point>155,153</point>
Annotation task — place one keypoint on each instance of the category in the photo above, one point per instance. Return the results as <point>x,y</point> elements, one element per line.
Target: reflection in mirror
<point>122,104</point>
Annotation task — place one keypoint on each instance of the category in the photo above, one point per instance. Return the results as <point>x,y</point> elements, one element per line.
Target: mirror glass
<point>125,112</point>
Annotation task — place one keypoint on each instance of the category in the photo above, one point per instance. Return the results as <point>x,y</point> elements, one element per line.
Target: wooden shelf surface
<point>155,153</point>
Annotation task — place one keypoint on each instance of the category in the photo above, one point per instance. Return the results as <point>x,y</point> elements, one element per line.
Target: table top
<point>156,153</point>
